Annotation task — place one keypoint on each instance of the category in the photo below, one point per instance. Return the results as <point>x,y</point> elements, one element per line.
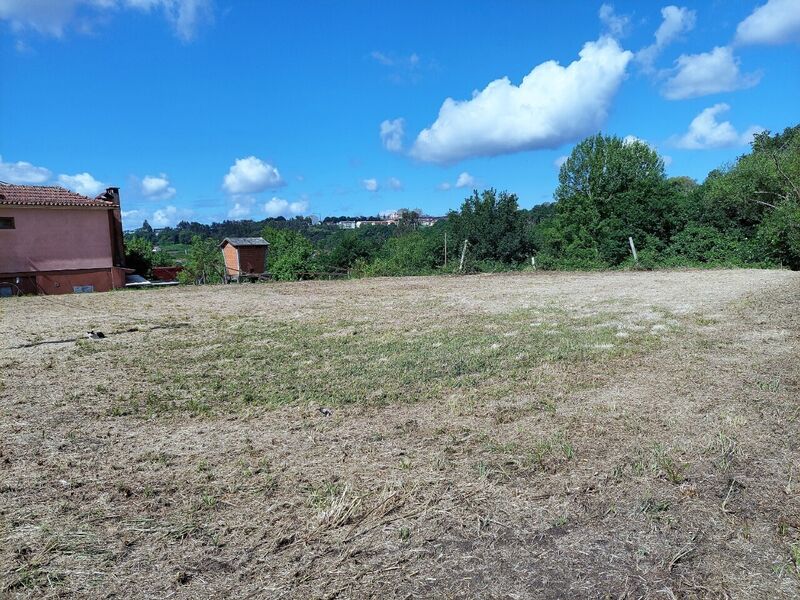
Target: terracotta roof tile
<point>42,195</point>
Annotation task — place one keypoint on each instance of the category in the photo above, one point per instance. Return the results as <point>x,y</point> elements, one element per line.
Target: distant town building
<point>391,219</point>
<point>54,241</point>
<point>385,222</point>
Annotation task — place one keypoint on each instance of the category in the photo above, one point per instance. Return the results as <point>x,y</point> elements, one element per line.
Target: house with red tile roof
<point>54,241</point>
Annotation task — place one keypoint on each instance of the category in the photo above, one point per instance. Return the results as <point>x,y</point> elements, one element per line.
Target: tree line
<point>745,214</point>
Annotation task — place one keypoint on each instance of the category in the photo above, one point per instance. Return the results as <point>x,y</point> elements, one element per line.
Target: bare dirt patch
<point>508,436</point>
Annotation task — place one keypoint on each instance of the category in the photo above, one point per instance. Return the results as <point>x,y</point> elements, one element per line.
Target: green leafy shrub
<point>139,255</point>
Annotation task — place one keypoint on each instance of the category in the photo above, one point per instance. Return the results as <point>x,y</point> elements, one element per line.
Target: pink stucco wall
<point>51,239</point>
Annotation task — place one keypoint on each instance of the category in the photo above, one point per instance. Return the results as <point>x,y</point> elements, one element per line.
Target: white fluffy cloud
<point>55,17</point>
<point>45,17</point>
<point>82,183</point>
<point>390,60</point>
<point>251,175</point>
<point>169,216</point>
<point>393,183</point>
<point>164,217</point>
<point>776,22</point>
<point>615,24</point>
<point>401,68</point>
<point>277,207</point>
<point>22,172</point>
<point>465,180</point>
<point>392,133</point>
<point>129,217</point>
<point>676,20</point>
<point>241,209</point>
<point>632,139</point>
<point>706,132</point>
<point>157,187</point>
<point>185,16</point>
<point>553,105</point>
<point>371,185</point>
<point>707,73</point>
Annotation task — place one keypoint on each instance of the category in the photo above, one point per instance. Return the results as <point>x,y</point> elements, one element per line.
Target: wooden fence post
<point>633,249</point>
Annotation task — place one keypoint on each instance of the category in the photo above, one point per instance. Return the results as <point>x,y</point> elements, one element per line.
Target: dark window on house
<point>6,222</point>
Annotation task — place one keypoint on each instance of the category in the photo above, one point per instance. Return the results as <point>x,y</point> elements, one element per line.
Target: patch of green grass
<point>560,521</point>
<point>198,407</point>
<point>546,454</point>
<point>725,447</point>
<point>31,576</point>
<point>705,321</point>
<point>245,362</point>
<point>654,506</point>
<point>769,385</point>
<point>482,469</point>
<point>208,501</point>
<point>794,553</point>
<point>653,461</point>
<point>673,470</point>
<point>323,495</point>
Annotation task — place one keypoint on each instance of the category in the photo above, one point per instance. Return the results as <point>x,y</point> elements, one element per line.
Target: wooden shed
<point>244,257</point>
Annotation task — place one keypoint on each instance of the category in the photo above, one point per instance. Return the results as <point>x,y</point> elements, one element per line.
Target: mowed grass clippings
<point>542,436</point>
<point>246,363</point>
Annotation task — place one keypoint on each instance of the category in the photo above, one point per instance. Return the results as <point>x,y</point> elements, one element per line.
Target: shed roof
<point>48,195</point>
<point>244,241</point>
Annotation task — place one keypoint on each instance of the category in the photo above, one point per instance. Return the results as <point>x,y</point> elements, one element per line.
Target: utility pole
<point>463,252</point>
<point>445,249</point>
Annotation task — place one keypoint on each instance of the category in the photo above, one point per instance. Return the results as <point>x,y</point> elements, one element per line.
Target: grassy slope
<point>489,436</point>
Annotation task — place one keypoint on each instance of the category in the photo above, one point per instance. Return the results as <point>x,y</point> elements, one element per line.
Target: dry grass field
<point>616,435</point>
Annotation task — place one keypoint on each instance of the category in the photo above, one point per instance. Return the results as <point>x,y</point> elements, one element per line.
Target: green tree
<point>703,244</point>
<point>416,253</point>
<point>609,189</point>
<point>493,226</point>
<point>778,236</point>
<point>409,219</point>
<point>162,258</point>
<point>146,232</point>
<point>756,199</point>
<point>139,255</point>
<point>291,256</point>
<point>204,262</point>
<point>349,248</point>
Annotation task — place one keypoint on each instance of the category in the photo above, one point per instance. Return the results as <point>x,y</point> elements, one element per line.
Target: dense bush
<point>415,253</point>
<point>291,256</point>
<point>139,255</point>
<point>779,235</point>
<point>204,263</point>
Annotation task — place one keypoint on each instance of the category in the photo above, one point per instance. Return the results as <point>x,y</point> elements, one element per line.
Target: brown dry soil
<point>619,435</point>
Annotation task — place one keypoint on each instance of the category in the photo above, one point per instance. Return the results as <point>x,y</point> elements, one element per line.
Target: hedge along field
<point>519,434</point>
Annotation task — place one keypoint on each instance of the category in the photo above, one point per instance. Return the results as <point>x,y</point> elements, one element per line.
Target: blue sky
<point>212,109</point>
